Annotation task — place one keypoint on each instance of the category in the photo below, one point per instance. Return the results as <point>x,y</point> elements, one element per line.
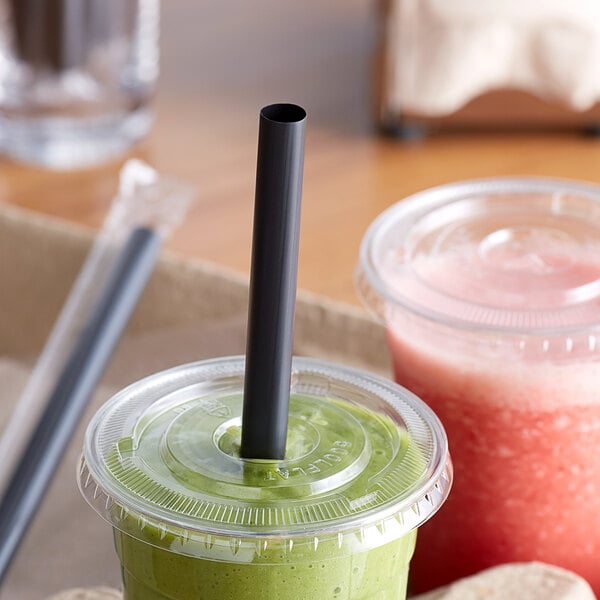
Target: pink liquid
<point>524,438</point>
<point>485,274</point>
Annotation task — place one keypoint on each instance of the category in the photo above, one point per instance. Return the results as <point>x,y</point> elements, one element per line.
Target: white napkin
<point>441,54</point>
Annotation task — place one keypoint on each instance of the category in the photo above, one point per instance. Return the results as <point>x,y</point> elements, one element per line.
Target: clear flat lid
<point>361,450</point>
<point>520,255</point>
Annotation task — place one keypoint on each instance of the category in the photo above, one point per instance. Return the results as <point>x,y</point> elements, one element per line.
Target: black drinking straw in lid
<point>273,281</point>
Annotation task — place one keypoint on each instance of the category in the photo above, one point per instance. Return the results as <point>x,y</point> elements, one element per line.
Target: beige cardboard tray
<point>190,310</point>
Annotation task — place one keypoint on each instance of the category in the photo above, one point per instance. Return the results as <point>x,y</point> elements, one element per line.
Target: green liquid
<point>150,573</point>
<point>372,564</point>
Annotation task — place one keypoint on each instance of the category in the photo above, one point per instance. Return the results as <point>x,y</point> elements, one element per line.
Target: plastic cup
<point>366,464</point>
<point>490,291</point>
<point>77,79</point>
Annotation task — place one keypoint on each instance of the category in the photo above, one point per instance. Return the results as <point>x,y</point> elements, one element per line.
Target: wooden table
<point>220,63</point>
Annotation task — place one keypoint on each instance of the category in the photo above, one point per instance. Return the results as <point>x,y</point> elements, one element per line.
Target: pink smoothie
<point>527,482</point>
<point>490,292</point>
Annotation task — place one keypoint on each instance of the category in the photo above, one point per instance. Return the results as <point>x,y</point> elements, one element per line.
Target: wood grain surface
<point>220,63</point>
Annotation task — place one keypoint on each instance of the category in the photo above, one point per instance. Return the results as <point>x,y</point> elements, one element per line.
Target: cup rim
<point>383,303</point>
<point>103,493</point>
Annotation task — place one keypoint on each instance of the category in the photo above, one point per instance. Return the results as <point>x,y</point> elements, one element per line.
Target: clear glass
<point>76,78</point>
<point>490,291</point>
<point>366,464</point>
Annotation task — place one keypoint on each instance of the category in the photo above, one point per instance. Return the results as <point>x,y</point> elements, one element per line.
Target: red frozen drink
<point>491,295</point>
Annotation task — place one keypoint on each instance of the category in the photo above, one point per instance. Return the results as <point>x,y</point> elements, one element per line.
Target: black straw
<point>73,389</point>
<point>273,281</point>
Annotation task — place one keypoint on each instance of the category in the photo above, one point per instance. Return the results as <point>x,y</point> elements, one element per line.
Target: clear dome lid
<point>508,255</point>
<point>363,454</point>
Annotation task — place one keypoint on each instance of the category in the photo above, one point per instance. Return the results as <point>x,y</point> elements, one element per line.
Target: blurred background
<point>220,63</point>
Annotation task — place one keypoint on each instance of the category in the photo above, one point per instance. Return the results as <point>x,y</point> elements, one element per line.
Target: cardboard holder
<point>191,310</point>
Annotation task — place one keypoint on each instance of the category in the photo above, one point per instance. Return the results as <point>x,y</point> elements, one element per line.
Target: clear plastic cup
<point>366,464</point>
<point>77,79</point>
<point>490,292</point>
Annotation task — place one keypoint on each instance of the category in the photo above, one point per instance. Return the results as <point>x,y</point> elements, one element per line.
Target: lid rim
<point>369,283</point>
<point>94,471</point>
<point>367,519</point>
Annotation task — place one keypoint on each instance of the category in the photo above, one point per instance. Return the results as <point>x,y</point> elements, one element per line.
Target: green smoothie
<point>336,519</point>
<point>150,573</point>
